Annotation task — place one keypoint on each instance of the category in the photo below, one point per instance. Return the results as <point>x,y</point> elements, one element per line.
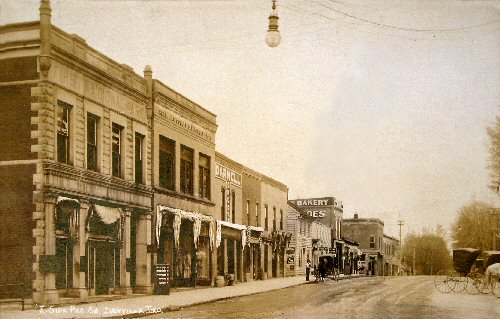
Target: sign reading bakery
<point>227,174</point>
<point>315,207</point>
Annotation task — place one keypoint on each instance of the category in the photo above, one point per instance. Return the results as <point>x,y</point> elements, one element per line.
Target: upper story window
<point>63,110</point>
<point>372,242</point>
<point>281,219</point>
<point>92,128</point>
<point>233,207</point>
<point>266,218</point>
<point>204,176</point>
<point>248,212</point>
<point>139,158</point>
<point>257,222</point>
<point>116,150</point>
<point>186,170</point>
<point>274,218</point>
<point>167,163</point>
<point>223,205</point>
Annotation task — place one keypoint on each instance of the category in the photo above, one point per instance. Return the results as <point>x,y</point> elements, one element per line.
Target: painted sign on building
<point>227,175</point>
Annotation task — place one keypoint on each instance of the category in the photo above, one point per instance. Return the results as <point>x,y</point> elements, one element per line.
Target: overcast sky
<point>383,105</point>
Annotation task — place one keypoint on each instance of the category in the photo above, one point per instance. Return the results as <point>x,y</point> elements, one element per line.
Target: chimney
<point>355,216</point>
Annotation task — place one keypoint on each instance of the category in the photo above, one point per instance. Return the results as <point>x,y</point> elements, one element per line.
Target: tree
<point>494,159</point>
<point>472,228</point>
<point>430,251</point>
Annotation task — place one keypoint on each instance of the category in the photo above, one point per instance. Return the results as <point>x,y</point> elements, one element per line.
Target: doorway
<point>104,260</point>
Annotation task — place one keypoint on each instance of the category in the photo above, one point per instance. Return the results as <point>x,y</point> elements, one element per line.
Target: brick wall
<point>15,127</point>
<point>16,223</point>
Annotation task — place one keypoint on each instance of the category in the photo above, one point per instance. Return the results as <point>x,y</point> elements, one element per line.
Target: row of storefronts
<point>111,174</point>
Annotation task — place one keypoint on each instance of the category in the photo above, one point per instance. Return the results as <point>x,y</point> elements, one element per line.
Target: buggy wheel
<point>482,285</point>
<point>471,287</point>
<point>460,282</point>
<point>443,281</point>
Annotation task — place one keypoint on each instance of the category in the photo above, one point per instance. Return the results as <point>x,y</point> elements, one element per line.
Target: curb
<point>172,308</point>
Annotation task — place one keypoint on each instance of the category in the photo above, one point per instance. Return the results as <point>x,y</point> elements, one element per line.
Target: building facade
<point>392,257</point>
<point>106,174</point>
<point>328,211</point>
<point>264,205</point>
<point>309,240</point>
<point>369,233</point>
<point>75,169</point>
<point>183,160</point>
<point>228,210</point>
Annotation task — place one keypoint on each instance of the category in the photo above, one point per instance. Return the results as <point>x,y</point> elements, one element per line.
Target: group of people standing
<point>319,272</point>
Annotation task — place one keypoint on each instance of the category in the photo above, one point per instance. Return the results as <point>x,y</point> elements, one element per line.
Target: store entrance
<point>103,255</point>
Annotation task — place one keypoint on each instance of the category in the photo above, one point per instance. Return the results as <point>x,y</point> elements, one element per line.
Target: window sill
<point>192,198</point>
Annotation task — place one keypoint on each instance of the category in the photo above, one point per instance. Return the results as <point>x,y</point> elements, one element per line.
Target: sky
<point>381,104</point>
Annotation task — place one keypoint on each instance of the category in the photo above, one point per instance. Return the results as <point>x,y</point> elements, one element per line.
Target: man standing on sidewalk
<point>308,269</point>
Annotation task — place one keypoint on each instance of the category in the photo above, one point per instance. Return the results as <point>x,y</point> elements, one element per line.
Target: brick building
<point>76,192</point>
<point>105,173</point>
<point>369,233</point>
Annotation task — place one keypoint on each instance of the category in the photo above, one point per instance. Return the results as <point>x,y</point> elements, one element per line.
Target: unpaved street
<point>375,297</point>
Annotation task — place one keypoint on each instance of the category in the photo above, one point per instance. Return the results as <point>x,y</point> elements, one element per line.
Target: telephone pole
<point>400,223</point>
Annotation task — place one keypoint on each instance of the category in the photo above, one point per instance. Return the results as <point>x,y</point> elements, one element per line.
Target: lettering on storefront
<point>227,175</point>
<point>313,202</point>
<point>316,213</point>
<point>162,286</point>
<point>204,134</point>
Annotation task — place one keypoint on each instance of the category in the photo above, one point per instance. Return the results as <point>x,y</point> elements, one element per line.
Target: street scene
<point>375,297</point>
<point>249,159</point>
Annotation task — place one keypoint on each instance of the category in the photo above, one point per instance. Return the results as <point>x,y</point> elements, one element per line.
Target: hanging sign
<point>162,275</point>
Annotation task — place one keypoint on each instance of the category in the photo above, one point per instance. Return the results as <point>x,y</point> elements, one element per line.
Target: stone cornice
<point>95,178</point>
<point>163,191</point>
<point>20,26</point>
<point>86,199</point>
<point>223,159</point>
<point>188,114</point>
<point>99,103</point>
<point>96,74</point>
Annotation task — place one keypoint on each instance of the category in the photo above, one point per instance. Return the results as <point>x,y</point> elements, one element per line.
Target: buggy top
<point>464,258</point>
<point>490,257</point>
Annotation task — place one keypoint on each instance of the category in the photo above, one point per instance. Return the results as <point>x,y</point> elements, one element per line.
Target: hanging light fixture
<point>273,37</point>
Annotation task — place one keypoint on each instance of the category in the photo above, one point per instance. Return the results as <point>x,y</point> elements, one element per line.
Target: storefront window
<point>184,257</point>
<point>203,258</point>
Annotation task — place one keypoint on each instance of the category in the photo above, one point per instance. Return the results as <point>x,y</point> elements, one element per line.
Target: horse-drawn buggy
<point>470,273</point>
<point>326,267</point>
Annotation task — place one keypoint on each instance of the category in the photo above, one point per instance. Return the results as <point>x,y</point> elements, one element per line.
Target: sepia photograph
<point>249,159</point>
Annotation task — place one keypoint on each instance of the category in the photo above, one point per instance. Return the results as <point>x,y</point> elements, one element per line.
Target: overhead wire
<point>408,29</point>
<point>351,26</point>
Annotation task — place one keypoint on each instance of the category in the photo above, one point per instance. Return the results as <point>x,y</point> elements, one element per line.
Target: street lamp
<point>273,37</point>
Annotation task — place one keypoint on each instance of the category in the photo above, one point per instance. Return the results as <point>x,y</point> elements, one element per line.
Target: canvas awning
<point>61,199</point>
<point>108,215</point>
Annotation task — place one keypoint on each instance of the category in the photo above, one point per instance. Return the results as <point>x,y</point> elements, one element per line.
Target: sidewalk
<point>147,305</point>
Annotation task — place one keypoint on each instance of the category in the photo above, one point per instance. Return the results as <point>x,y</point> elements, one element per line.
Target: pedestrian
<point>322,270</point>
<point>308,269</point>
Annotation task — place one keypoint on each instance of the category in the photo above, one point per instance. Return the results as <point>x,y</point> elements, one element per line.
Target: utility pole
<point>413,269</point>
<point>400,223</point>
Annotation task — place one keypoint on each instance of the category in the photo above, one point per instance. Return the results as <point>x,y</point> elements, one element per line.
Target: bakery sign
<point>227,174</point>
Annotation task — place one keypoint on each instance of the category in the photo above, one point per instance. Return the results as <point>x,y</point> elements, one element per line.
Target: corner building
<point>75,167</point>
<point>369,233</point>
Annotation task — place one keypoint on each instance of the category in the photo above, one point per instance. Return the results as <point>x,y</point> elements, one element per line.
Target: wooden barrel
<point>219,281</point>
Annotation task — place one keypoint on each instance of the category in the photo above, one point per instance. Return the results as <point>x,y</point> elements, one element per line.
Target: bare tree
<point>472,227</point>
<point>427,251</point>
<point>494,159</point>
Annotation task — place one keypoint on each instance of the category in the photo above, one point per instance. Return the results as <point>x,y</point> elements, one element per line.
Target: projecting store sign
<point>227,174</point>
